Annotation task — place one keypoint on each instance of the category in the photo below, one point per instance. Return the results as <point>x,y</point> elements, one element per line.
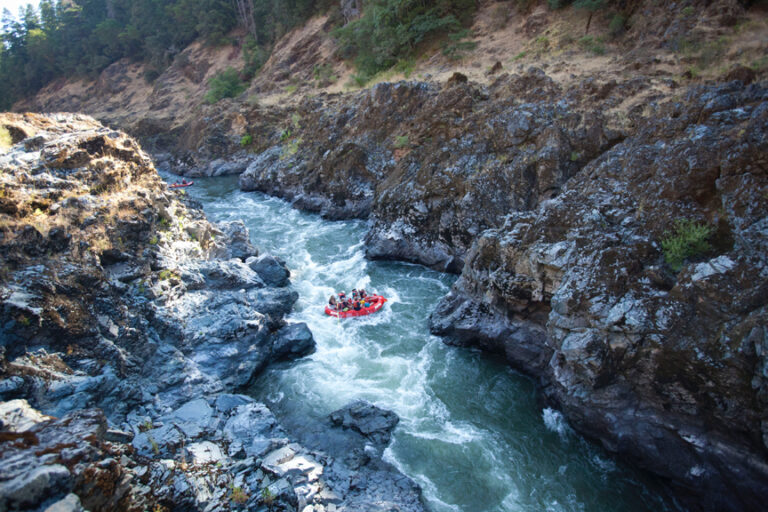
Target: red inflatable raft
<point>377,302</point>
<point>181,185</point>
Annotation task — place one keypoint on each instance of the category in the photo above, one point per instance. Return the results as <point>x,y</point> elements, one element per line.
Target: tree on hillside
<point>390,30</point>
<point>592,6</point>
<point>81,38</point>
<point>245,16</point>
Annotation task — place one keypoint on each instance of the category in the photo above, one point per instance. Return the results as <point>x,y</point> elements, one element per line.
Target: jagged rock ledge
<point>432,167</point>
<point>667,367</point>
<point>117,295</point>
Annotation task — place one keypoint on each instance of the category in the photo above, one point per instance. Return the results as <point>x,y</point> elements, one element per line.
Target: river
<point>472,433</point>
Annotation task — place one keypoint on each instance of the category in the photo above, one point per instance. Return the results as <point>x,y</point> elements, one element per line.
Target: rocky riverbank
<point>559,205</point>
<point>665,364</point>
<point>117,295</point>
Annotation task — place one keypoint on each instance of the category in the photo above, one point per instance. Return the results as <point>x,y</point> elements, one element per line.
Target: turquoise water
<point>472,433</point>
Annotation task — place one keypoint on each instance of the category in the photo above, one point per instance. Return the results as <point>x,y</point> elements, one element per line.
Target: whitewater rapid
<point>472,433</point>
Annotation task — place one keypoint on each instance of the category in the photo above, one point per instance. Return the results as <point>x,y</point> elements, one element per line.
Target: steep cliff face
<point>434,167</point>
<point>666,366</point>
<point>99,257</point>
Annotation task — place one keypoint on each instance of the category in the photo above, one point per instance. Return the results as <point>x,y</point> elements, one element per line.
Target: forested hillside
<point>81,38</point>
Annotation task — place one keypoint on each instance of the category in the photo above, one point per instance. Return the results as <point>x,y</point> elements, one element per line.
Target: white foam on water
<point>429,489</point>
<point>555,421</point>
<point>390,359</point>
<point>511,501</point>
<point>603,465</point>
<point>452,433</point>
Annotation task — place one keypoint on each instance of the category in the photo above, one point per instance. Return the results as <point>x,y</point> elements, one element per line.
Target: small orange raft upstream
<point>181,185</point>
<point>377,302</point>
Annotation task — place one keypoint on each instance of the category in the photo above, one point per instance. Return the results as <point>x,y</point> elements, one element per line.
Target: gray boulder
<point>372,422</point>
<point>71,503</point>
<point>249,430</point>
<point>221,167</point>
<point>33,487</point>
<point>225,402</point>
<point>293,341</point>
<point>235,243</point>
<point>19,416</point>
<point>271,270</point>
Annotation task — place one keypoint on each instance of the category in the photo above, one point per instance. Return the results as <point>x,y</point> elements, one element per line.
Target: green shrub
<point>290,149</point>
<point>359,80</point>
<point>226,84</point>
<point>254,56</point>
<point>151,74</point>
<point>689,240</point>
<point>704,54</point>
<point>457,44</point>
<point>689,11</point>
<point>155,447</point>
<point>405,66</point>
<point>324,75</point>
<point>246,140</point>
<point>239,496</point>
<point>519,56</point>
<point>593,45</point>
<point>267,497</point>
<point>167,274</point>
<point>617,24</point>
<point>401,141</point>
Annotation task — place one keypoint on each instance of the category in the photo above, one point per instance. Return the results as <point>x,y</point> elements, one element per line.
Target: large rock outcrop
<point>106,266</point>
<point>667,367</point>
<point>117,295</point>
<point>434,167</point>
